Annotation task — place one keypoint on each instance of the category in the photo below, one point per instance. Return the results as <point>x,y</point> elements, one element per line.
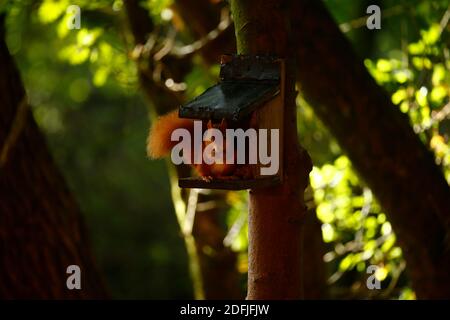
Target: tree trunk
<point>380,142</point>
<point>313,269</point>
<point>276,213</point>
<point>41,228</point>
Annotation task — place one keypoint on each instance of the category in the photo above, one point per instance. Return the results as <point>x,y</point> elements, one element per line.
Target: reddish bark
<point>276,213</point>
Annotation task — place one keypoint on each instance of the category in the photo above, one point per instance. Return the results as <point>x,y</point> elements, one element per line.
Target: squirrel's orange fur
<point>159,143</point>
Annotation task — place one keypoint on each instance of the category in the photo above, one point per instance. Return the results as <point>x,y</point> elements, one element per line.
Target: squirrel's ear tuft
<point>159,142</point>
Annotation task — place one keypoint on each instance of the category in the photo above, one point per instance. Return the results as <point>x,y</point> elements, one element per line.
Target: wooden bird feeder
<point>250,94</point>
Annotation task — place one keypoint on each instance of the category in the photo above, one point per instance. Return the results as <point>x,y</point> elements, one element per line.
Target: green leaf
<point>325,213</point>
<point>399,96</point>
<point>422,63</point>
<point>346,263</point>
<point>421,96</point>
<point>416,48</point>
<point>432,35</point>
<point>328,233</point>
<point>100,76</point>
<point>438,74</point>
<point>384,65</point>
<point>438,94</point>
<point>51,10</point>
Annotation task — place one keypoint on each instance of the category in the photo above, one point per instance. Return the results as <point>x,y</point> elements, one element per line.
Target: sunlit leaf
<point>431,35</point>
<point>386,228</point>
<point>50,10</point>
<point>407,294</point>
<point>421,63</point>
<point>325,212</point>
<point>404,106</point>
<point>381,218</point>
<point>402,76</point>
<point>395,253</point>
<point>87,37</point>
<point>438,94</point>
<point>346,263</point>
<point>328,233</point>
<point>438,74</point>
<point>384,65</point>
<point>416,48</point>
<point>388,243</point>
<point>399,96</point>
<point>421,96</point>
<point>381,273</point>
<point>74,54</point>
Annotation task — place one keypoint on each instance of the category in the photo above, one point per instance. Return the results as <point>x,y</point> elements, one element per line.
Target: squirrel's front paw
<point>207,178</point>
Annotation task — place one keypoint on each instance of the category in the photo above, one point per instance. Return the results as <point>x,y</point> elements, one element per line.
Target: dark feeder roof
<point>247,82</point>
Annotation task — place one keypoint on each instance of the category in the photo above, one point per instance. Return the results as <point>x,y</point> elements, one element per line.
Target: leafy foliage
<point>420,85</point>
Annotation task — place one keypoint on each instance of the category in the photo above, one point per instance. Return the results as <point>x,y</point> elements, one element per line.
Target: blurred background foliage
<point>84,90</point>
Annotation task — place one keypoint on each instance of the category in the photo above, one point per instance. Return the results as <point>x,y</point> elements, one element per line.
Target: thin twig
<point>189,218</point>
<point>436,117</point>
<point>396,273</point>
<point>196,46</point>
<point>444,20</point>
<point>361,21</point>
<point>235,229</point>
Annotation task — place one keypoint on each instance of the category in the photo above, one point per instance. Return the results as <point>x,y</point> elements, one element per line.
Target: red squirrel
<point>159,145</point>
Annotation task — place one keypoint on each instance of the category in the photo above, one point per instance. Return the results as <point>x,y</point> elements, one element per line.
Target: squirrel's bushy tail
<point>159,143</point>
